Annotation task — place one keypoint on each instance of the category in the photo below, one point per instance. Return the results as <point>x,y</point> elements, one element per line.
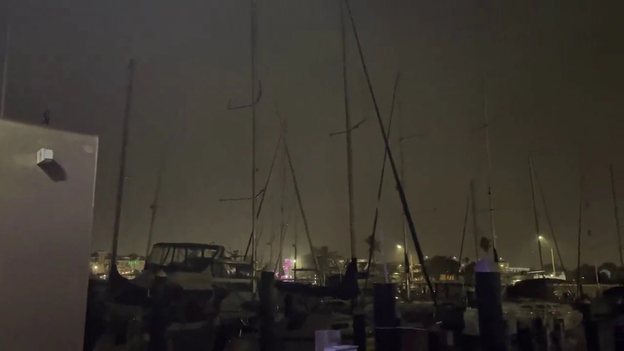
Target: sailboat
<point>530,299</point>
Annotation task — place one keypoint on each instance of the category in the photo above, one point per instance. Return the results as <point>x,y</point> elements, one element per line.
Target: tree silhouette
<point>485,244</point>
<point>588,274</point>
<point>441,265</point>
<point>374,246</point>
<point>327,259</point>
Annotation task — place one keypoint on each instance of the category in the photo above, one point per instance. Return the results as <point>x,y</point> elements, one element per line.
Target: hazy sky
<point>554,86</point>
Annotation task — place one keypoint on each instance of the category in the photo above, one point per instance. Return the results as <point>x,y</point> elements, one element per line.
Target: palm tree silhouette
<point>485,244</point>
<point>374,246</point>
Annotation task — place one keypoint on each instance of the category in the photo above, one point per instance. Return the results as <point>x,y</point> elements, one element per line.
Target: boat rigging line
<point>264,190</point>
<point>475,227</point>
<point>300,203</point>
<point>535,216</point>
<point>461,248</point>
<point>395,172</point>
<point>380,187</point>
<point>154,206</point>
<point>548,219</point>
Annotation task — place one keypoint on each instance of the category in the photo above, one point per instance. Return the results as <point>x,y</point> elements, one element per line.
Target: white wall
<point>45,223</point>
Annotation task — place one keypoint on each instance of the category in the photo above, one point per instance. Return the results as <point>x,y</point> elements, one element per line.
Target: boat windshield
<point>163,255</point>
<point>540,289</point>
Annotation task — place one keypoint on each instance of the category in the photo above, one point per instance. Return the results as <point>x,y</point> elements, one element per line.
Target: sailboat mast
<point>578,247</point>
<point>406,260</point>
<point>154,205</point>
<point>296,259</point>
<point>463,239</point>
<point>393,166</point>
<point>616,214</point>
<point>345,87</point>
<point>254,243</point>
<point>475,228</point>
<point>489,174</point>
<point>283,224</point>
<point>5,70</point>
<point>535,217</point>
<point>402,170</point>
<point>302,211</point>
<point>122,163</point>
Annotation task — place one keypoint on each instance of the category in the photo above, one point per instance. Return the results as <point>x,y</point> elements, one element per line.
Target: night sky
<point>554,86</point>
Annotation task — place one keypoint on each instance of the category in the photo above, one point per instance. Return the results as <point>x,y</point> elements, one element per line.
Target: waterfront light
<point>399,247</point>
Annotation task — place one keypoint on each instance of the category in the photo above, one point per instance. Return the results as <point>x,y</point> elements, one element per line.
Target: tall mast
<point>295,232</point>
<point>475,228</point>
<point>154,205</point>
<point>283,224</point>
<point>5,67</point>
<point>406,259</point>
<point>254,243</point>
<point>578,247</point>
<point>489,172</point>
<point>535,217</point>
<point>345,87</point>
<point>402,165</point>
<point>122,163</point>
<point>463,239</point>
<point>395,172</point>
<point>303,216</point>
<point>617,217</point>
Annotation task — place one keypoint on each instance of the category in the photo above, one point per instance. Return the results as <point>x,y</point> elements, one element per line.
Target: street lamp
<point>399,247</point>
<point>552,252</point>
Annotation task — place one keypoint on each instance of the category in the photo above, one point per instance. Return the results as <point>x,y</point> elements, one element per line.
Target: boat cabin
<point>199,266</point>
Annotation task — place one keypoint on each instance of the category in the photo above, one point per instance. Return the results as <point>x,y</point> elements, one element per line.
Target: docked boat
<point>200,268</point>
<point>526,301</point>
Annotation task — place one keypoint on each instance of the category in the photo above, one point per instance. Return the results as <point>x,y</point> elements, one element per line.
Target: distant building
<point>126,265</point>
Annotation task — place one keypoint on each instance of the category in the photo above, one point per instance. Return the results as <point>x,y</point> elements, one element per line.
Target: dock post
<point>387,333</point>
<point>558,335</point>
<point>592,340</point>
<point>525,338</point>
<point>492,325</point>
<point>453,328</point>
<point>541,334</point>
<point>618,333</point>
<point>159,314</point>
<point>267,311</point>
<point>359,330</point>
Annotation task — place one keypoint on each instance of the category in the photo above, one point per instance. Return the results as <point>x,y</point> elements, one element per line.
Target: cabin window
<point>225,270</point>
<point>210,253</point>
<point>179,255</point>
<point>194,253</point>
<point>158,255</point>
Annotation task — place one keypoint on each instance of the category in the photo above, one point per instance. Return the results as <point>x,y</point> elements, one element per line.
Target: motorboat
<point>528,300</point>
